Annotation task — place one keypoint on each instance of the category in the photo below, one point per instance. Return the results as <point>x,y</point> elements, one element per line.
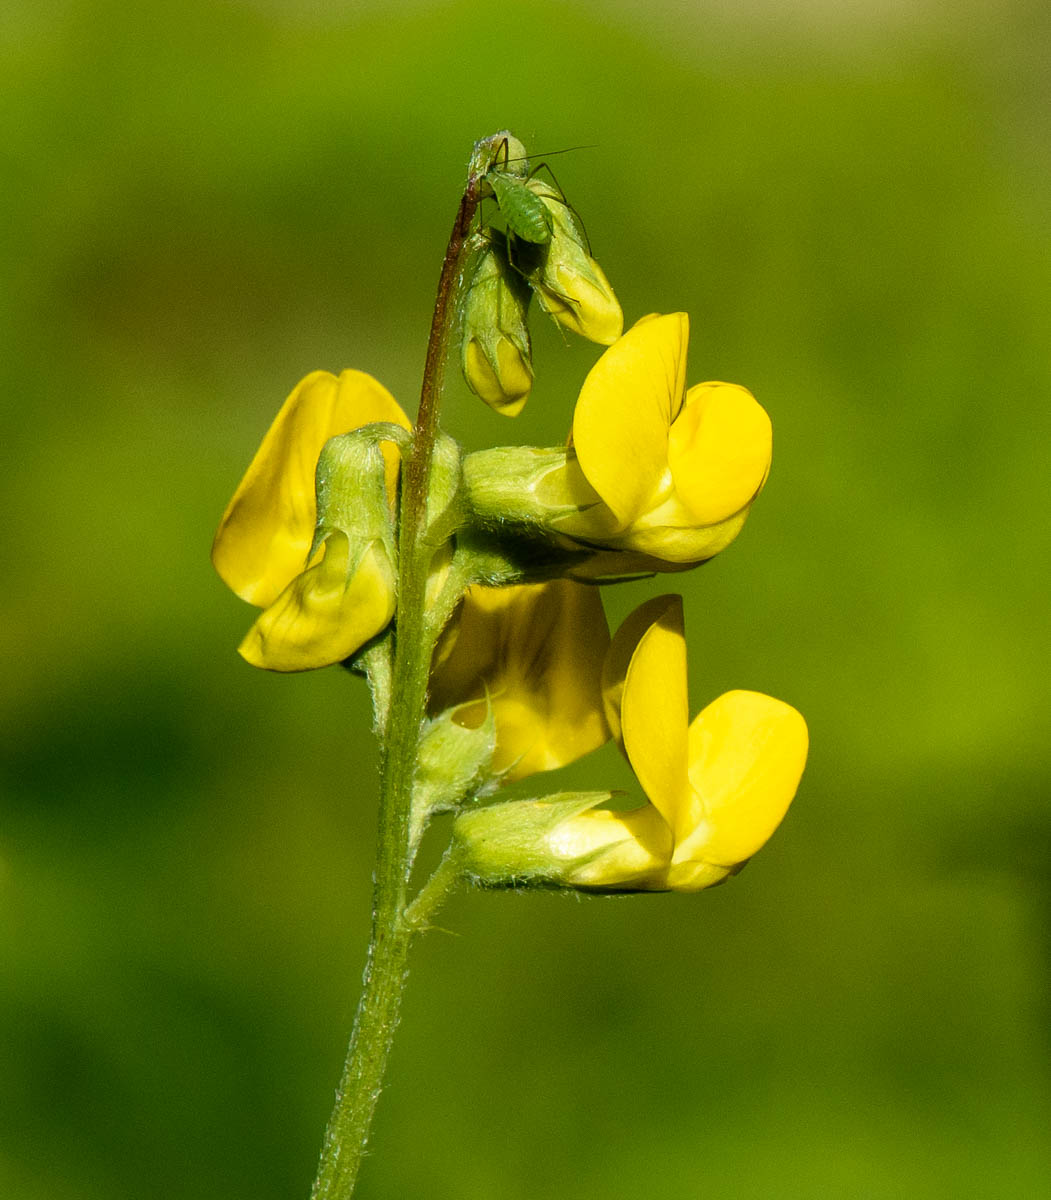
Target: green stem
<point>392,925</point>
<point>374,1026</point>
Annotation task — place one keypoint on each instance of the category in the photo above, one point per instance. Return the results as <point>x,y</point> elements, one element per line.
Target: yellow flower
<point>721,783</point>
<point>321,611</point>
<point>532,655</point>
<point>655,478</point>
<point>674,470</point>
<point>718,786</point>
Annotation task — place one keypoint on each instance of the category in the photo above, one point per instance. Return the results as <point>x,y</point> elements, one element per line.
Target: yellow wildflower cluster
<point>656,476</point>
<point>498,608</point>
<point>468,590</point>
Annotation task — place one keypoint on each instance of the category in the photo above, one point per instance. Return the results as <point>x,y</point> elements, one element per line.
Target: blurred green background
<point>202,203</point>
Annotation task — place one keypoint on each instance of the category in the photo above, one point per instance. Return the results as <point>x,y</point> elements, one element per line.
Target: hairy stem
<point>393,926</point>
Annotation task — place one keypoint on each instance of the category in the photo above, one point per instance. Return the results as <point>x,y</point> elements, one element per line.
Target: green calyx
<point>351,485</point>
<point>525,485</point>
<point>516,844</point>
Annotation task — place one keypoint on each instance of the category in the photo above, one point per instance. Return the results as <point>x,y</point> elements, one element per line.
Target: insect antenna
<point>551,153</point>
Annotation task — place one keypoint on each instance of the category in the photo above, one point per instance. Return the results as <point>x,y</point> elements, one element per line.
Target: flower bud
<point>495,350</point>
<point>454,762</point>
<point>501,150</point>
<point>570,286</point>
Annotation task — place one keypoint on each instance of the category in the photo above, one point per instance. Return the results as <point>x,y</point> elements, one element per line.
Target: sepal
<point>445,492</point>
<point>563,841</point>
<point>524,485</point>
<point>351,479</point>
<point>515,844</point>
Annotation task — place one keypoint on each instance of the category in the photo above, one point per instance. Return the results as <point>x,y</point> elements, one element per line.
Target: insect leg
<point>563,201</point>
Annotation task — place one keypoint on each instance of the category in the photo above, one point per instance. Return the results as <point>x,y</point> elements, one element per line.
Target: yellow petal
<point>624,411</point>
<point>618,658</point>
<point>654,715</point>
<point>268,526</point>
<point>579,297</point>
<point>693,875</point>
<point>719,451</point>
<point>673,538</point>
<point>614,851</point>
<point>504,387</point>
<point>534,653</point>
<point>747,753</point>
<point>323,617</point>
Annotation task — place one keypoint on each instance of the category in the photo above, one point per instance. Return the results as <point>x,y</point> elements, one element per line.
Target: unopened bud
<point>501,150</point>
<point>570,286</point>
<point>496,353</point>
<point>454,762</point>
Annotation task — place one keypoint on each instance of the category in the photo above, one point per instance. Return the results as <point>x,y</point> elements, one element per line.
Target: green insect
<point>526,215</point>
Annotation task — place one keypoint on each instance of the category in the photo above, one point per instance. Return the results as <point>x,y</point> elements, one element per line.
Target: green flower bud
<point>570,286</point>
<point>495,350</point>
<point>501,150</point>
<point>454,763</point>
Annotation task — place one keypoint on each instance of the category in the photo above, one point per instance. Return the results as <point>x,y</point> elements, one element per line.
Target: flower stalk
<point>413,643</point>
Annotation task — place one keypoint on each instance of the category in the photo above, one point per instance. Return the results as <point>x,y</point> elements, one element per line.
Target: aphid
<point>526,215</point>
<point>505,178</point>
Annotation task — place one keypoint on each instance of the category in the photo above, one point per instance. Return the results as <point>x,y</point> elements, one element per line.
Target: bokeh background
<point>201,203</point>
